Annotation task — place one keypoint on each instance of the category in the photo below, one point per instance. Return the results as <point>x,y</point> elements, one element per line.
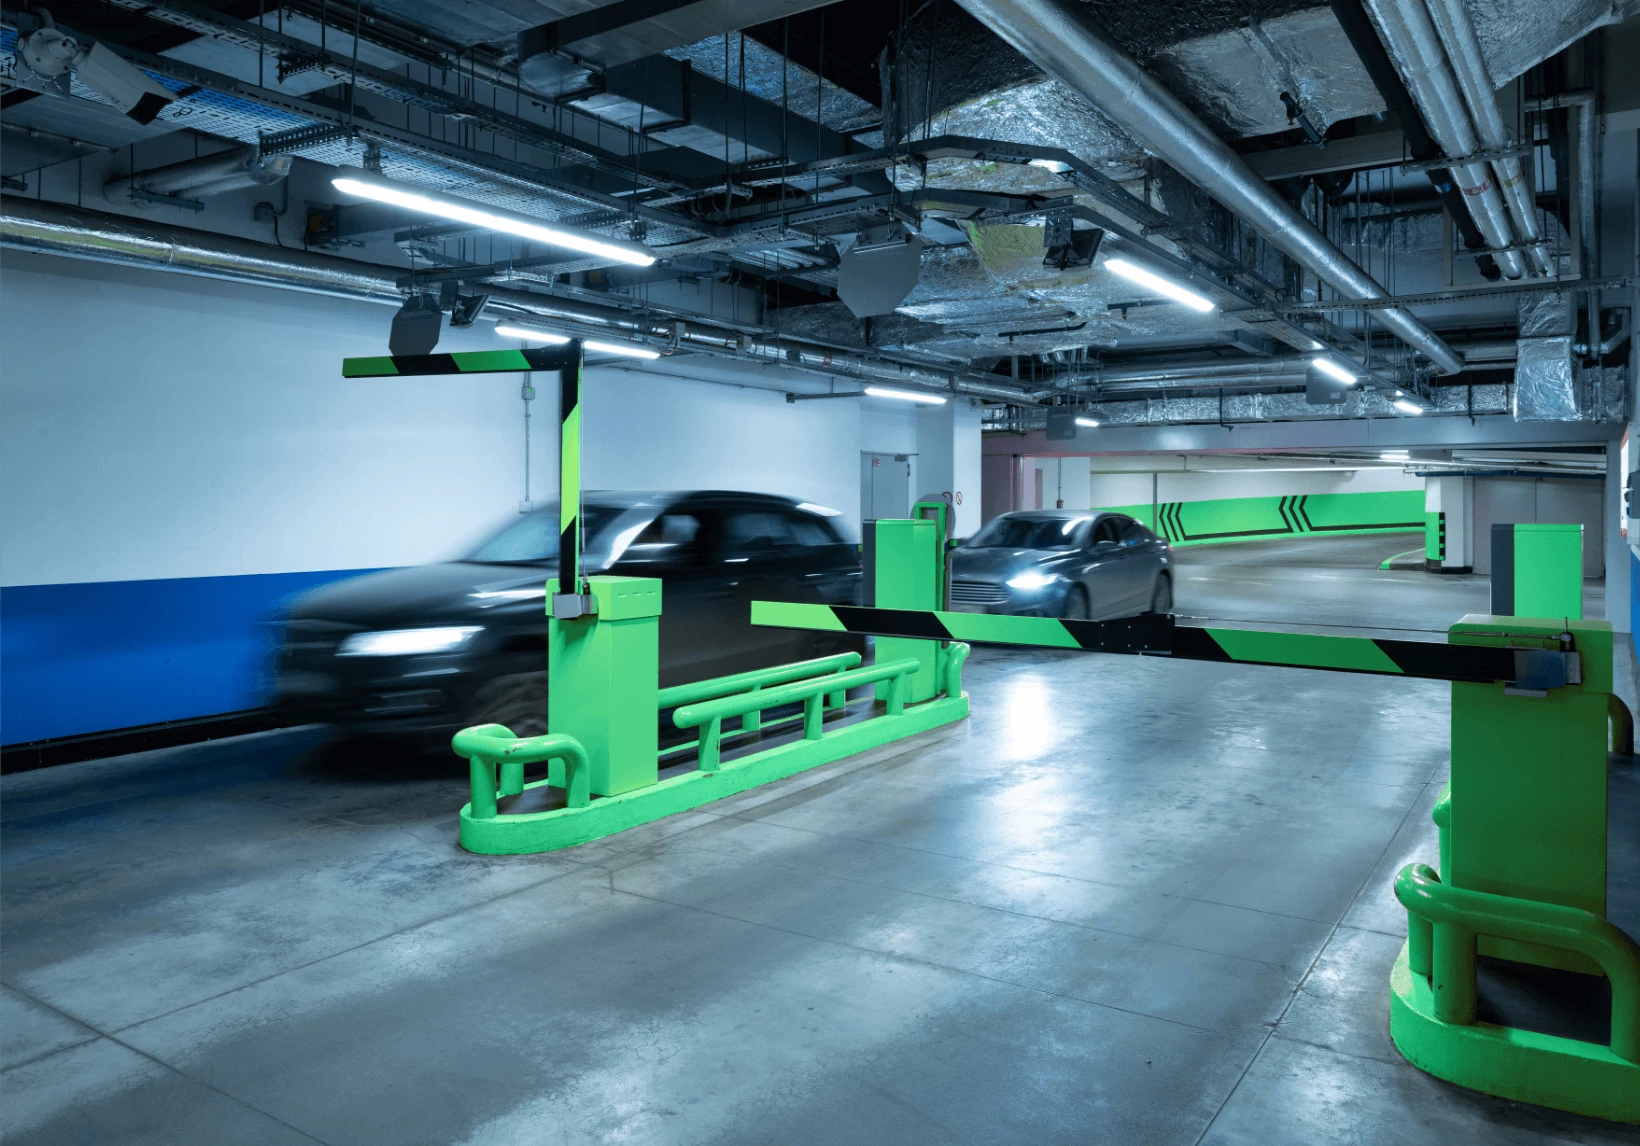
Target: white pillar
<point>948,460</point>
<point>1618,561</point>
<point>1455,497</point>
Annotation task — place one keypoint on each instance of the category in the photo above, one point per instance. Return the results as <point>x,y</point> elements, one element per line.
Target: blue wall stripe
<point>114,654</point>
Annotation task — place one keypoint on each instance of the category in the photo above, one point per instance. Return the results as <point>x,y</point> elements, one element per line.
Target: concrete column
<point>1455,497</point>
<point>948,460</point>
<point>1618,561</point>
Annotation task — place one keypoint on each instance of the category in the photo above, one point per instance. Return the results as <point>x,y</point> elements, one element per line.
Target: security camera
<point>51,54</point>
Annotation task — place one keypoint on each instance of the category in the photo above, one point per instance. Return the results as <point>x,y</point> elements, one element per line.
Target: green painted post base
<point>564,827</point>
<point>1565,1074</point>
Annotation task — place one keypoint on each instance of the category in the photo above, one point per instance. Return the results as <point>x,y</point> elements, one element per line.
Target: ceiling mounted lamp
<point>1135,273</point>
<point>905,395</point>
<point>487,218</point>
<point>1408,406</point>
<point>1333,370</point>
<point>590,345</point>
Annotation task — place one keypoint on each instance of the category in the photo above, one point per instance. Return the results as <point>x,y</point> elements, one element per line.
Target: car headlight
<point>407,642</point>
<point>1032,579</point>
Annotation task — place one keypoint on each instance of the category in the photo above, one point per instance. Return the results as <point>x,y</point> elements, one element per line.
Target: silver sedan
<point>1060,563</point>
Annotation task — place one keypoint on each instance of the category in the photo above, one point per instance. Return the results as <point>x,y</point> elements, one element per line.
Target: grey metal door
<point>885,486</point>
<point>1577,502</point>
<point>1500,500</point>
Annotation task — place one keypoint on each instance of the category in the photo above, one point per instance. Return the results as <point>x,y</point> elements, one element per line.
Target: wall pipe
<point>1059,37</point>
<point>1409,34</point>
<point>51,228</point>
<point>1463,49</point>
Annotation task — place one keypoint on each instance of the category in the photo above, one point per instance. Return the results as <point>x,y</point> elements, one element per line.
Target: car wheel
<point>1161,597</point>
<point>1076,604</point>
<point>518,701</point>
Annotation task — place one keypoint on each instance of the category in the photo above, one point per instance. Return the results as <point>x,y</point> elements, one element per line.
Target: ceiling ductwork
<point>1060,38</point>
<point>58,229</point>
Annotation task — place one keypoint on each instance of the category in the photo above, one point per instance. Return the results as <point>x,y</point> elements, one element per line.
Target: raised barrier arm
<point>489,747</point>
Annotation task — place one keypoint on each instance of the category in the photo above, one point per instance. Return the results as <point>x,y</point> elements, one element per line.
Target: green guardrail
<point>757,679</point>
<point>1443,923</point>
<point>711,714</point>
<point>496,760</point>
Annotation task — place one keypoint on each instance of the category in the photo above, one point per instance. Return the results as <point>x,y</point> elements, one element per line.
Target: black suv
<point>419,653</point>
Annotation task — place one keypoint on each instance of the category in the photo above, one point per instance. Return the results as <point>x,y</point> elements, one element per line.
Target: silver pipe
<point>44,227</point>
<point>1061,39</point>
<point>1409,35</point>
<point>206,175</point>
<point>1463,49</point>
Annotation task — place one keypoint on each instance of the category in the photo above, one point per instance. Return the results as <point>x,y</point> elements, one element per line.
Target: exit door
<point>885,486</point>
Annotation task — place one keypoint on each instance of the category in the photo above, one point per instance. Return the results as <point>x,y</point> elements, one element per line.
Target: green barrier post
<point>908,576</point>
<point>1537,570</point>
<point>1523,877</point>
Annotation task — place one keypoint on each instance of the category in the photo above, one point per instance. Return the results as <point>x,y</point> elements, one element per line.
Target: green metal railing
<point>492,748</point>
<point>709,715</point>
<point>758,679</point>
<point>1443,922</point>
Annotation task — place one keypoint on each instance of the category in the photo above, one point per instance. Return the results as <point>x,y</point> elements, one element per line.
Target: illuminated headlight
<point>407,642</point>
<point>1031,579</point>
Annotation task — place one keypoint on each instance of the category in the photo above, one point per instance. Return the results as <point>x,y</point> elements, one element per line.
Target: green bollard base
<point>564,827</point>
<point>1525,1066</point>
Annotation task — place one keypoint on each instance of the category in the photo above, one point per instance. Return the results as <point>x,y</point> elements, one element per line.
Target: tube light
<point>1332,369</point>
<point>1407,406</point>
<point>1156,282</point>
<point>1395,456</point>
<point>625,349</point>
<point>1088,422</point>
<point>905,395</point>
<point>490,219</point>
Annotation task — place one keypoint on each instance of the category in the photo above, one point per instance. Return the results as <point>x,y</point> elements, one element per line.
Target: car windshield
<point>534,538</point>
<point>1009,532</point>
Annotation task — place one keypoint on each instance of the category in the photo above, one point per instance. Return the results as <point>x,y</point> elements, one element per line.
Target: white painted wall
<point>1135,489</point>
<point>948,460</point>
<point>1455,497</point>
<point>159,425</point>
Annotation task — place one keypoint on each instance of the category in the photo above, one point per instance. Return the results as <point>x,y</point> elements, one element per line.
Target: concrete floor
<point>1129,901</point>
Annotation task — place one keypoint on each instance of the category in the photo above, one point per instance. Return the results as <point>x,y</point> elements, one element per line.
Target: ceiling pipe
<point>44,227</point>
<point>1409,34</point>
<point>206,175</point>
<point>1463,49</point>
<point>1059,37</point>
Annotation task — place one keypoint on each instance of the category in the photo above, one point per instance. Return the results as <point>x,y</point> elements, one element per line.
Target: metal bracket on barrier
<point>1539,670</point>
<point>568,606</point>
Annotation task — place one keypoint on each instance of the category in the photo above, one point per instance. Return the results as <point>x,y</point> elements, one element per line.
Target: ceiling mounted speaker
<point>416,326</point>
<point>877,273</point>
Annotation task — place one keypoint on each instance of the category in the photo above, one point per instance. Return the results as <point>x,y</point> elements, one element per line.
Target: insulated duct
<point>1463,49</point>
<point>202,177</point>
<point>1059,37</point>
<point>1409,34</point>
<point>44,227</point>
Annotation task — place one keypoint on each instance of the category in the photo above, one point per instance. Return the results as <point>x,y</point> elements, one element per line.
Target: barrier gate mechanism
<point>603,694</point>
<point>1522,821</point>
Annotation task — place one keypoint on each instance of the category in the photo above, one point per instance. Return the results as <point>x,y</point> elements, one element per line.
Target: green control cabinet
<point>1537,571</point>
<point>909,567</point>
<point>604,682</point>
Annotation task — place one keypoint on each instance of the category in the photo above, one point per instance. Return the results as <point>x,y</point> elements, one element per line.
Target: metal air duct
<point>50,228</point>
<point>1463,49</point>
<point>1409,34</point>
<point>1059,37</point>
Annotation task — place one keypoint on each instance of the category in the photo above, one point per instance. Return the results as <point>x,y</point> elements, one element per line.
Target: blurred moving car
<point>1061,563</point>
<point>423,652</point>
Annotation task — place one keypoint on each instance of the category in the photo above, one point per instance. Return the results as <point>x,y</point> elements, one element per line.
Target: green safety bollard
<point>908,576</point>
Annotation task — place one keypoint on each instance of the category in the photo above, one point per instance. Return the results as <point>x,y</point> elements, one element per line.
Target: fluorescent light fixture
<point>821,510</point>
<point>1408,407</point>
<point>1395,456</point>
<point>625,349</point>
<point>493,219</point>
<point>407,642</point>
<point>1090,423</point>
<point>1057,166</point>
<point>905,395</point>
<point>529,335</point>
<point>1031,580</point>
<point>1333,370</point>
<point>1156,282</point>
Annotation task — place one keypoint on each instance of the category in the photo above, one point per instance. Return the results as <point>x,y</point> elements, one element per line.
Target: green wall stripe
<point>1220,520</point>
<point>1357,654</point>
<point>994,627</point>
